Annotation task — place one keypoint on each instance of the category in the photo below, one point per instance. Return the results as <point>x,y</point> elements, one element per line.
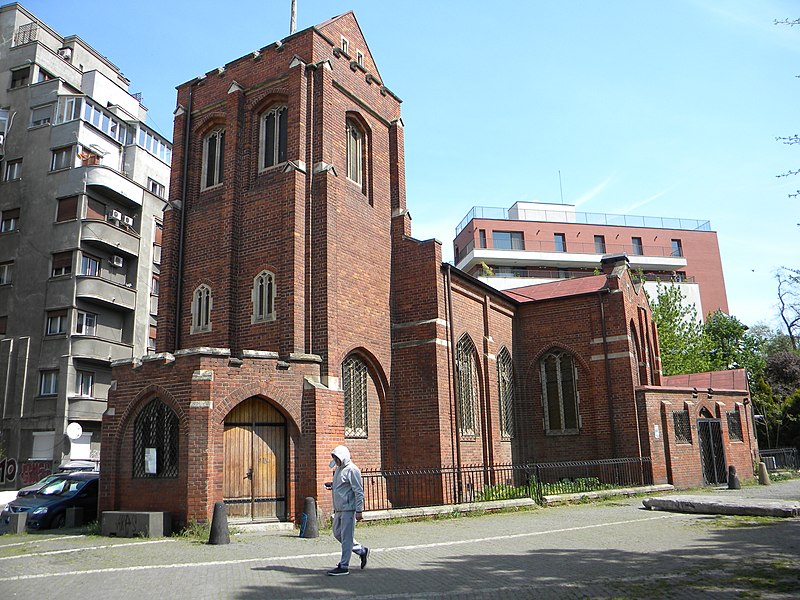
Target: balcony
<point>577,256</point>
<point>97,289</point>
<point>109,235</point>
<point>569,215</point>
<point>99,350</point>
<point>85,409</point>
<point>114,184</point>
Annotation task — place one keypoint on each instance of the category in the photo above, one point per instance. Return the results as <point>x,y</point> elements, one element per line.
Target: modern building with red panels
<point>298,314</point>
<point>536,242</point>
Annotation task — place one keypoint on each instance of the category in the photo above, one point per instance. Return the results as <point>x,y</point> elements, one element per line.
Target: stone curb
<point>716,506</point>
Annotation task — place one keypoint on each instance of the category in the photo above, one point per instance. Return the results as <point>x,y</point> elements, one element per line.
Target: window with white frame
<point>213,158</point>
<point>345,45</point>
<point>360,57</point>
<point>62,264</point>
<point>41,115</point>
<point>354,384</point>
<point>43,445</point>
<point>10,220</point>
<point>13,170</point>
<point>48,383</point>
<point>84,383</point>
<point>201,309</point>
<point>156,188</point>
<point>56,322</point>
<point>273,137</point>
<point>263,297</point>
<point>63,158</point>
<point>7,272</point>
<point>90,265</point>
<point>560,393</point>
<point>69,109</point>
<point>86,323</point>
<point>505,393</point>
<point>466,386</point>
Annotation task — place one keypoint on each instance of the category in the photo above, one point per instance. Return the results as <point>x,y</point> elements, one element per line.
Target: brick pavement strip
<point>613,549</point>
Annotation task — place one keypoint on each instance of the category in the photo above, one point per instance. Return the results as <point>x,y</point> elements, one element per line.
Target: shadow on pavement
<point>732,559</point>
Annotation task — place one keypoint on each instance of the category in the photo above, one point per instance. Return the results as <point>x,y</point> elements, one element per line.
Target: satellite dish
<point>74,431</point>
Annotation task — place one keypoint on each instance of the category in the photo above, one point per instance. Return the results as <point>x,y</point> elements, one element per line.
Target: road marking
<point>269,559</point>
<point>41,541</point>
<point>69,550</point>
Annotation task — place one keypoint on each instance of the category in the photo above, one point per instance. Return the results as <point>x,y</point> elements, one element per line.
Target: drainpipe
<point>182,230</point>
<point>454,379</point>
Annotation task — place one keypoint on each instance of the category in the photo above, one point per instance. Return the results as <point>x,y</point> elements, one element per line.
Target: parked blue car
<point>47,508</point>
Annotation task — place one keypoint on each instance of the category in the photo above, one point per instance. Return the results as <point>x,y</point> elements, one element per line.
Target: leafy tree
<point>732,345</point>
<point>683,342</point>
<point>777,398</point>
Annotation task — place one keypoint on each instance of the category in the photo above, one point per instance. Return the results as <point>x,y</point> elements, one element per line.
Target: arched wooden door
<point>255,450</point>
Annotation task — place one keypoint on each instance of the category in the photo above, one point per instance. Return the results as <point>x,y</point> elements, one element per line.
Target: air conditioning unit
<point>115,215</point>
<point>117,261</point>
<point>128,220</point>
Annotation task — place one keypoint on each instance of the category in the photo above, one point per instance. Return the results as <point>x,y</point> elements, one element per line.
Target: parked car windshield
<point>63,487</point>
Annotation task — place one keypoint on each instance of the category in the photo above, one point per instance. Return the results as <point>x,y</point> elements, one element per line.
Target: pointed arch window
<point>202,302</point>
<point>354,382</point>
<point>263,297</point>
<point>213,158</point>
<point>355,152</point>
<point>560,393</point>
<point>466,386</point>
<point>505,393</point>
<point>272,149</point>
<point>155,441</point>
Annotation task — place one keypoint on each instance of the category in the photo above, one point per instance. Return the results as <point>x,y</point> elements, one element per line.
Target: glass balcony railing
<point>582,218</point>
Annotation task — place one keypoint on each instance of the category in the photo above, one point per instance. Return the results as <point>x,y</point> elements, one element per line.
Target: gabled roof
<point>558,289</point>
<point>733,379</point>
<point>352,15</point>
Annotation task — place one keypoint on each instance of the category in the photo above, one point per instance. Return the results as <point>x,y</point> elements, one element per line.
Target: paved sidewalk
<point>611,549</point>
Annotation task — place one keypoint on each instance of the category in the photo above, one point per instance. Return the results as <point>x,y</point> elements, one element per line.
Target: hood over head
<point>342,453</point>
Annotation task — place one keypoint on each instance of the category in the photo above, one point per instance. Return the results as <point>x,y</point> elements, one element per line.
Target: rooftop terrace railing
<point>583,218</point>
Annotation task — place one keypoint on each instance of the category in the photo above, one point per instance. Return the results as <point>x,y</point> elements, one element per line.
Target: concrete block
<point>135,524</point>
<point>74,517</point>
<point>13,523</point>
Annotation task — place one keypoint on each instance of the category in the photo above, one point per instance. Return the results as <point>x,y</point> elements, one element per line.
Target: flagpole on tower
<point>293,23</point>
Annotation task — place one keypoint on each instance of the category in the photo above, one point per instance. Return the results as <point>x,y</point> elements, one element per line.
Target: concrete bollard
<point>219,526</point>
<point>763,474</point>
<point>13,523</point>
<point>733,479</point>
<point>309,526</point>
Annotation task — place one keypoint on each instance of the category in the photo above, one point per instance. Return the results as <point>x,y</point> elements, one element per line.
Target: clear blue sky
<point>651,108</point>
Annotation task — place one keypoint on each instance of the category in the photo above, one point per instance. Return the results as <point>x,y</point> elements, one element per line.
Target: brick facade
<point>351,281</point>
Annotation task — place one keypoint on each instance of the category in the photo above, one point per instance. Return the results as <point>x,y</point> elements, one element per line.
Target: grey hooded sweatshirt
<point>347,488</point>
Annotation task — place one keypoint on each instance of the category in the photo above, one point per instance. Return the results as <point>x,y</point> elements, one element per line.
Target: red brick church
<point>298,313</point>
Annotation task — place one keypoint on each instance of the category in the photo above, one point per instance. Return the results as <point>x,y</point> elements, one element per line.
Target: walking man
<point>348,504</point>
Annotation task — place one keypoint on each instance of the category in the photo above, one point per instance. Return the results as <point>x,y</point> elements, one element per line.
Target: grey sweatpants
<point>344,528</point>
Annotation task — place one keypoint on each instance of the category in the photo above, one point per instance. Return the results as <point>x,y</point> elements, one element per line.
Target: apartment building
<point>537,242</point>
<point>83,185</point>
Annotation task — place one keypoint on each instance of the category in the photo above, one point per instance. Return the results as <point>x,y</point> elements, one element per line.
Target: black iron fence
<point>416,487</point>
<point>780,459</point>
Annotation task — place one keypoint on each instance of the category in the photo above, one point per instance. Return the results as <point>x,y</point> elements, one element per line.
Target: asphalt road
<point>614,549</point>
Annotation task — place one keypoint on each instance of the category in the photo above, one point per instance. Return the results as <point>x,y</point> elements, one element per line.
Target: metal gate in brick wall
<point>255,450</point>
<point>712,452</point>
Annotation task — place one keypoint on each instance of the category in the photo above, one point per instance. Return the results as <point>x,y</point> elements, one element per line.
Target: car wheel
<point>58,521</point>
